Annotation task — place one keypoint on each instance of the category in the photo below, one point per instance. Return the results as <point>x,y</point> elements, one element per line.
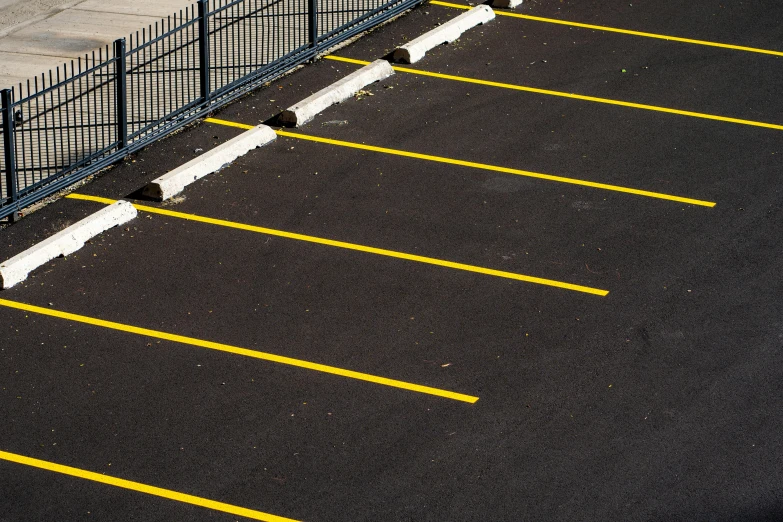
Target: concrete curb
<point>508,4</point>
<point>415,50</point>
<point>308,108</point>
<point>175,181</point>
<point>64,243</point>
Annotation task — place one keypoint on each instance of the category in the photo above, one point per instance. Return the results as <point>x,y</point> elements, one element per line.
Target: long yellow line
<point>562,94</point>
<point>472,164</point>
<point>621,31</point>
<point>141,488</point>
<point>353,246</point>
<point>495,168</point>
<point>238,351</point>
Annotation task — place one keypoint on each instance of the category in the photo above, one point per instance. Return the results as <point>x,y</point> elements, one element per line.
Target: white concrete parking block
<point>175,181</point>
<point>64,243</point>
<point>341,90</point>
<point>415,50</point>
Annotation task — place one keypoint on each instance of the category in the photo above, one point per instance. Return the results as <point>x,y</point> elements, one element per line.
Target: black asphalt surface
<point>660,401</point>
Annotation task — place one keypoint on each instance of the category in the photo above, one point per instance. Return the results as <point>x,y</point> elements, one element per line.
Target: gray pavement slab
<point>73,33</point>
<point>17,68</point>
<point>142,8</point>
<point>61,33</point>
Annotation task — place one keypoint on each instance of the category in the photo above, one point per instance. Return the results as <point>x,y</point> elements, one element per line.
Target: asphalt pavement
<point>382,316</point>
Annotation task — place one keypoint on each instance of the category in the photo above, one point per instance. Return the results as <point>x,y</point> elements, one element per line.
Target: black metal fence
<point>81,117</point>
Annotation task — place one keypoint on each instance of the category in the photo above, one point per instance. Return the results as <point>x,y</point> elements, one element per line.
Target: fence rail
<point>87,114</point>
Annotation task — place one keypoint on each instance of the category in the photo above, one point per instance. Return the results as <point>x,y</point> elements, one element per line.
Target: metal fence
<point>87,114</point>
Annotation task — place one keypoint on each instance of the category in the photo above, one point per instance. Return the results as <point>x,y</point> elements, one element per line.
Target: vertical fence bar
<point>121,92</point>
<point>9,146</point>
<point>203,47</point>
<point>312,26</point>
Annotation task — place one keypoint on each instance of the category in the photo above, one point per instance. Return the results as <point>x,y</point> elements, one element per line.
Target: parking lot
<point>534,276</point>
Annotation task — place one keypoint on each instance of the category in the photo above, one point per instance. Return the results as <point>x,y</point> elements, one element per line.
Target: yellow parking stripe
<point>495,168</point>
<point>192,341</point>
<point>561,94</point>
<point>353,246</point>
<point>472,164</point>
<point>617,30</point>
<point>141,488</point>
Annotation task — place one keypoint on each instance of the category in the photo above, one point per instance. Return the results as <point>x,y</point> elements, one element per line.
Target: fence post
<point>203,46</point>
<point>121,91</point>
<point>9,146</point>
<point>312,26</point>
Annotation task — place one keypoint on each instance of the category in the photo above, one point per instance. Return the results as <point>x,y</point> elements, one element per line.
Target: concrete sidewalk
<point>38,36</point>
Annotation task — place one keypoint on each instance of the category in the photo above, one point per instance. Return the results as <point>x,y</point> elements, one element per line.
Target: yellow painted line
<point>483,166</point>
<point>237,350</point>
<point>353,246</point>
<point>569,95</point>
<point>621,31</point>
<point>227,123</point>
<point>141,488</point>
